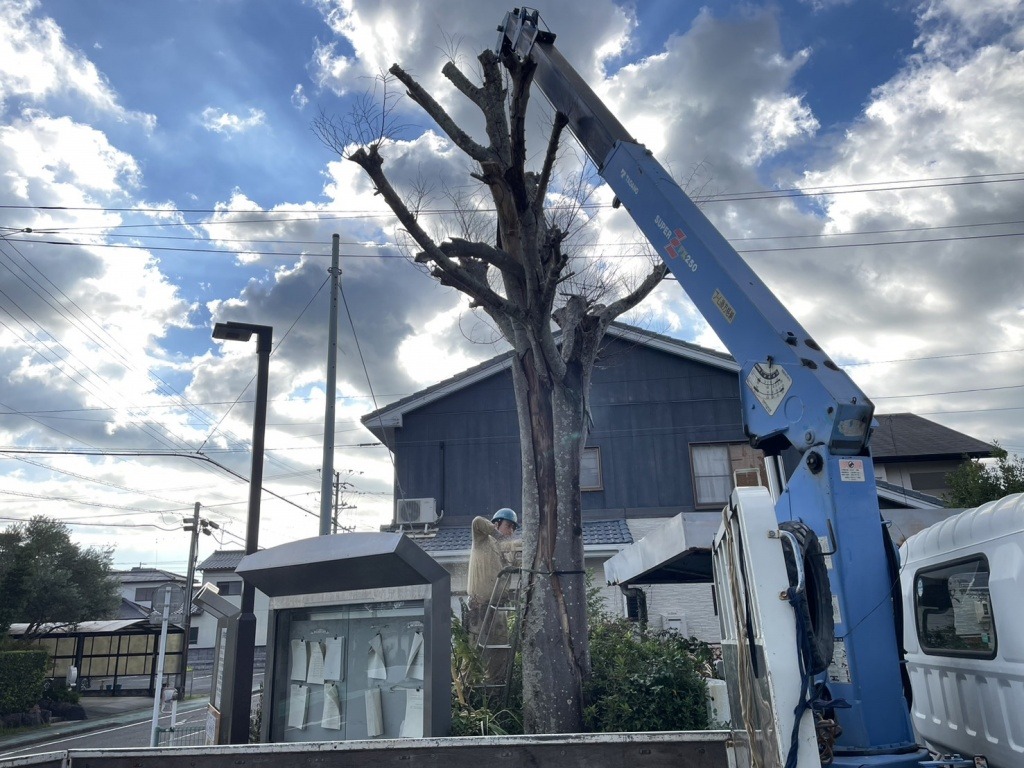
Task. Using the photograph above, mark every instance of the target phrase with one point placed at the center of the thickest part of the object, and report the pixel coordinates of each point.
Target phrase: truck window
(953, 609)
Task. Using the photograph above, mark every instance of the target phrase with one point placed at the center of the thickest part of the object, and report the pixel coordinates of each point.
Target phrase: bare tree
(522, 281)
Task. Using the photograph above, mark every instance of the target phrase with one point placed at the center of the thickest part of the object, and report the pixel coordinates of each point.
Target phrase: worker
(493, 549)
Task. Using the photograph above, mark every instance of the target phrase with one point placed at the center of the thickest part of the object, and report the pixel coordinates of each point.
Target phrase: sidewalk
(101, 712)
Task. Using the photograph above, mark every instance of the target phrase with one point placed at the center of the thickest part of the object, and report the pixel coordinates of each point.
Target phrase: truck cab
(962, 582)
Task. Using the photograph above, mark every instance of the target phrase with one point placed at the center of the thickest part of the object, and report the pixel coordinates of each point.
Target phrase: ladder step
(488, 647)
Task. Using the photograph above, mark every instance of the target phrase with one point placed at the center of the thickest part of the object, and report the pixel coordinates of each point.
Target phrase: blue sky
(163, 156)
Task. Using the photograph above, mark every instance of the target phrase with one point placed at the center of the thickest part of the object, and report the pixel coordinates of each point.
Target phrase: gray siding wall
(647, 408)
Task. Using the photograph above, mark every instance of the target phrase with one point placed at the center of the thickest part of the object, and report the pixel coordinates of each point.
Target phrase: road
(134, 734)
(133, 730)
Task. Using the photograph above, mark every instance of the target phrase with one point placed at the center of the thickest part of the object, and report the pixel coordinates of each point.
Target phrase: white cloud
(437, 349)
(299, 98)
(329, 70)
(776, 123)
(951, 27)
(65, 155)
(36, 63)
(220, 121)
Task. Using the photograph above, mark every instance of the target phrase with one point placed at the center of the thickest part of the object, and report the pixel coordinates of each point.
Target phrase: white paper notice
(298, 700)
(414, 667)
(376, 667)
(334, 658)
(315, 673)
(374, 716)
(298, 660)
(412, 726)
(331, 718)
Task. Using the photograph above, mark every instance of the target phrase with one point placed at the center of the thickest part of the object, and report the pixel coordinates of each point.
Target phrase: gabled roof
(222, 560)
(130, 610)
(908, 437)
(390, 416)
(142, 575)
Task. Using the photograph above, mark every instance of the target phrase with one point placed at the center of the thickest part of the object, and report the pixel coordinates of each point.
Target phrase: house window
(953, 609)
(720, 467)
(226, 588)
(636, 605)
(590, 470)
(928, 481)
(144, 594)
(193, 635)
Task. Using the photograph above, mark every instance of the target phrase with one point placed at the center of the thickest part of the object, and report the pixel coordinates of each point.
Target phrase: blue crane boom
(792, 394)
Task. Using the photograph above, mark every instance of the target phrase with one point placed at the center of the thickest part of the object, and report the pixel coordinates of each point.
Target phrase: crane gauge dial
(769, 383)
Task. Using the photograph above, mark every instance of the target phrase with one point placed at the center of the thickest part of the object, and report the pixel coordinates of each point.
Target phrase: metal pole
(337, 499)
(327, 470)
(245, 638)
(245, 625)
(159, 682)
(189, 578)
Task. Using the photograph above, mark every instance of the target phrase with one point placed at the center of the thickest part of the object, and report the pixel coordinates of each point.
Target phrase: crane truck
(817, 676)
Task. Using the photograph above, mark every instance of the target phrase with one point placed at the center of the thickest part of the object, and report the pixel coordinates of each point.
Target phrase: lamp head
(232, 331)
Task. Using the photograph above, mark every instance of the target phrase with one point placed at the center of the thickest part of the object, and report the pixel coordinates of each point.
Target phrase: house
(916, 454)
(666, 439)
(141, 595)
(219, 569)
(140, 585)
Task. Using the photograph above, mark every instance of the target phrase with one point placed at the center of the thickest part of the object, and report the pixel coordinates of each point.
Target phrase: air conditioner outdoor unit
(416, 511)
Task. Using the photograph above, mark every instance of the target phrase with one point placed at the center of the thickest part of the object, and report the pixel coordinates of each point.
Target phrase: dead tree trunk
(521, 282)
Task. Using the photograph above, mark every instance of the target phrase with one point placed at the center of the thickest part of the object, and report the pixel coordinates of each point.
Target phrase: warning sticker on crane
(769, 383)
(839, 669)
(727, 310)
(851, 470)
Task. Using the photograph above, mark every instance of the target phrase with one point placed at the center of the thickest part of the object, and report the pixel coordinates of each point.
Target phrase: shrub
(643, 680)
(21, 680)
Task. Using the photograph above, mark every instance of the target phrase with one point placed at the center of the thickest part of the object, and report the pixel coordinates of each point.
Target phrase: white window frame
(591, 452)
(706, 483)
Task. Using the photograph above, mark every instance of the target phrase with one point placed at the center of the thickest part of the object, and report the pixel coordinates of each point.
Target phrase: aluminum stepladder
(505, 600)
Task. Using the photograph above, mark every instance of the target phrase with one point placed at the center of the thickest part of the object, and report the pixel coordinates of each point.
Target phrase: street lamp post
(245, 635)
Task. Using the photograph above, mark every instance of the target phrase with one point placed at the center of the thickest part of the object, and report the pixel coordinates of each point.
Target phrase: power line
(282, 241)
(950, 392)
(589, 256)
(934, 357)
(142, 454)
(858, 187)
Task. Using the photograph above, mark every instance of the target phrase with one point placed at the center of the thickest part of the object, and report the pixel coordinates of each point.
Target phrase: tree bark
(554, 637)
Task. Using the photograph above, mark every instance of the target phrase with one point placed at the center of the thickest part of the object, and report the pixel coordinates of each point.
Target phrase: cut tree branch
(369, 159)
(462, 139)
(634, 297)
(554, 141)
(456, 247)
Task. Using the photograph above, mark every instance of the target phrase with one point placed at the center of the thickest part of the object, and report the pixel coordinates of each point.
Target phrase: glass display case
(359, 639)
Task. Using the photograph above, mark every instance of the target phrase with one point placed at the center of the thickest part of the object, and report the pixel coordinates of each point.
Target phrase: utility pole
(337, 496)
(327, 470)
(194, 525)
(189, 579)
(158, 688)
(339, 504)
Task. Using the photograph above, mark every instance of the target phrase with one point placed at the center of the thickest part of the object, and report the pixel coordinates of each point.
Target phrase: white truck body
(963, 601)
